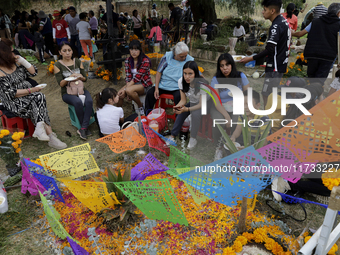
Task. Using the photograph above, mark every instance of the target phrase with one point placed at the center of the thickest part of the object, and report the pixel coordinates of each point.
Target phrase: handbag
(74, 88)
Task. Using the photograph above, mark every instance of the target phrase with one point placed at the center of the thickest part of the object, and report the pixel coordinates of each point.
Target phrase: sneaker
(141, 110)
(56, 143)
(280, 185)
(88, 132)
(170, 139)
(40, 132)
(218, 154)
(82, 133)
(192, 143)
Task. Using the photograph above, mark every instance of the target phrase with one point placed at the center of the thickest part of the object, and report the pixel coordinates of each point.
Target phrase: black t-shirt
(279, 35)
(176, 15)
(115, 18)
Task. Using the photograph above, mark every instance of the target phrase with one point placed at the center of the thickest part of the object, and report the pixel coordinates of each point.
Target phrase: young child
(257, 121)
(85, 34)
(335, 85)
(108, 115)
(277, 48)
(39, 42)
(61, 31)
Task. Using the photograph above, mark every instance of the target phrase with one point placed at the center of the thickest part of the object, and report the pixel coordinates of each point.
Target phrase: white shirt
(239, 31)
(153, 13)
(134, 72)
(193, 98)
(335, 84)
(108, 118)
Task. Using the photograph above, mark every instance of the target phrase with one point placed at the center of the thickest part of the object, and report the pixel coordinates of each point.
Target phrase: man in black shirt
(277, 48)
(176, 14)
(115, 21)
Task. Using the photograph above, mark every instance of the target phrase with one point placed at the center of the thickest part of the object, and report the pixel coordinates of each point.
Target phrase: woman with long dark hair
(19, 97)
(291, 17)
(69, 67)
(226, 73)
(137, 78)
(191, 86)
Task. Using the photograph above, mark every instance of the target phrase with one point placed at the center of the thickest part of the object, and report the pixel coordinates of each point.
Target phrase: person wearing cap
(94, 24)
(73, 19)
(277, 48)
(292, 82)
(319, 10)
(154, 11)
(61, 31)
(239, 32)
(45, 28)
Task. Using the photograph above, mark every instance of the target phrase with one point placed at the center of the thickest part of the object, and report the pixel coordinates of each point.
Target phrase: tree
(244, 7)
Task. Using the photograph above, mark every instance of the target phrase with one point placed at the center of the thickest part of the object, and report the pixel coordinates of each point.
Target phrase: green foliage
(295, 70)
(241, 48)
(244, 8)
(246, 132)
(13, 180)
(113, 177)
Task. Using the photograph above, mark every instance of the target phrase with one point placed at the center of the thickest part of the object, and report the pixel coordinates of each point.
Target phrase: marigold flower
(106, 78)
(307, 238)
(333, 250)
(91, 64)
(228, 251)
(237, 246)
(299, 69)
(200, 69)
(269, 243)
(249, 236)
(242, 240)
(19, 142)
(15, 145)
(277, 248)
(17, 150)
(260, 235)
(4, 132)
(16, 137)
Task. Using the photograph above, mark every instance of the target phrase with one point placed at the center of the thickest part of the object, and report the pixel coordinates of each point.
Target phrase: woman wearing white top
(137, 29)
(239, 32)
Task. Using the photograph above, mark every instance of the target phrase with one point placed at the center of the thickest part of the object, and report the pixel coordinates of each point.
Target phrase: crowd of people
(177, 73)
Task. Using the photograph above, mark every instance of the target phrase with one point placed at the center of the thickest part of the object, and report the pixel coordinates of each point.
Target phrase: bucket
(159, 115)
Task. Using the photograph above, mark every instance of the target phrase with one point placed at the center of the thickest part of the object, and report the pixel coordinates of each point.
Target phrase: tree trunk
(203, 9)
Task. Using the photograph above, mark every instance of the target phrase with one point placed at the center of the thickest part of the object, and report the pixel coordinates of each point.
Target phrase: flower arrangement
(10, 146)
(106, 74)
(154, 55)
(133, 37)
(86, 62)
(50, 68)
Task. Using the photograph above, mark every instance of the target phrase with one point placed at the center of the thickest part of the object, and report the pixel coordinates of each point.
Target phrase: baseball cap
(56, 13)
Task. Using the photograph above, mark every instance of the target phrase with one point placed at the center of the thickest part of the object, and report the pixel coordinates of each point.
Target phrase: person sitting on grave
(138, 79)
(192, 86)
(169, 70)
(22, 99)
(67, 71)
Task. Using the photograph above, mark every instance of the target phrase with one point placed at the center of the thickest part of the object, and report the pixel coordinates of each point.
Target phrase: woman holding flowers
(138, 79)
(69, 67)
(18, 96)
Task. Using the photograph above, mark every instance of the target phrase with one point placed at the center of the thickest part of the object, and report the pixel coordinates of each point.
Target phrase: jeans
(25, 33)
(83, 115)
(195, 119)
(319, 69)
(150, 99)
(75, 43)
(60, 40)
